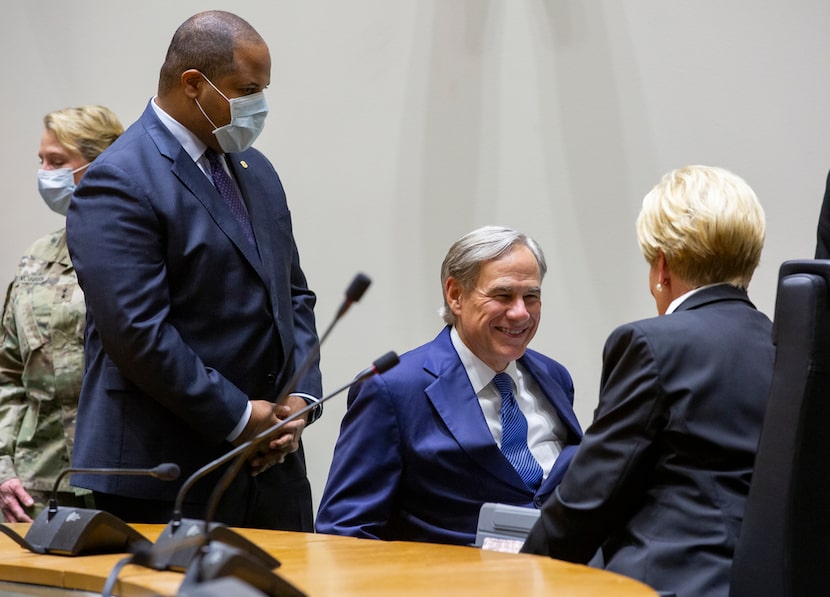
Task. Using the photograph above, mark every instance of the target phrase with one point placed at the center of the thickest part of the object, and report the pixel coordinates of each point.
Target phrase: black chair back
(784, 545)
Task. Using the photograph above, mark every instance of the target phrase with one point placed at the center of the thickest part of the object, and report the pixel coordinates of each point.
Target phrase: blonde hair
(87, 130)
(707, 222)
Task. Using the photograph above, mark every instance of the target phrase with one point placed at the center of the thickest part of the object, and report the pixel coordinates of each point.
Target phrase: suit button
(538, 502)
(271, 378)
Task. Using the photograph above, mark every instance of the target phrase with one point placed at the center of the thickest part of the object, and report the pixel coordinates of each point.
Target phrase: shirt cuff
(316, 412)
(243, 420)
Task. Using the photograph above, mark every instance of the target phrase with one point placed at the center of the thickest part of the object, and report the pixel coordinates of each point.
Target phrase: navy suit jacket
(661, 478)
(187, 321)
(415, 459)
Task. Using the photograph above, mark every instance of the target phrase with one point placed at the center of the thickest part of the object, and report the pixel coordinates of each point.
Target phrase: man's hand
(287, 440)
(13, 498)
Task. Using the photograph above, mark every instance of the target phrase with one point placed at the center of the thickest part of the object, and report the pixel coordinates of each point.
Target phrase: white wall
(399, 125)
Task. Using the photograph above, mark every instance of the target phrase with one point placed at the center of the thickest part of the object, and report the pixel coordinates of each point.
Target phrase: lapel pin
(243, 163)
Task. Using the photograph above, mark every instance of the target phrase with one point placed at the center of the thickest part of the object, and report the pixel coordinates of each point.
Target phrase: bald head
(205, 42)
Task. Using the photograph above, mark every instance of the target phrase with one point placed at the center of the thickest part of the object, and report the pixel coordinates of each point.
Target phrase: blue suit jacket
(661, 478)
(186, 319)
(415, 459)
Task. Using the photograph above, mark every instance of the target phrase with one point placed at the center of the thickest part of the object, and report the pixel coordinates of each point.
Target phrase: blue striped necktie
(514, 435)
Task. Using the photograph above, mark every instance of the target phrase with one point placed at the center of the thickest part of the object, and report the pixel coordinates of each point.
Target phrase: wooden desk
(343, 566)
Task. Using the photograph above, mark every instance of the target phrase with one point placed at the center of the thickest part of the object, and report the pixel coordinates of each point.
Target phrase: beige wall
(398, 125)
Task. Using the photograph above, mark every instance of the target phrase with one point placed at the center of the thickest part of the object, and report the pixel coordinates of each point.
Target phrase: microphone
(166, 471)
(219, 559)
(223, 587)
(219, 563)
(180, 531)
(80, 531)
(382, 364)
(178, 560)
(379, 365)
(354, 292)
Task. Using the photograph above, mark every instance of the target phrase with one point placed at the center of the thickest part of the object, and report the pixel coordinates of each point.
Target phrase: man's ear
(191, 79)
(453, 292)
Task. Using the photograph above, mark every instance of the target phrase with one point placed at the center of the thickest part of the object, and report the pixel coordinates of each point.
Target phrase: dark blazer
(186, 319)
(415, 459)
(661, 478)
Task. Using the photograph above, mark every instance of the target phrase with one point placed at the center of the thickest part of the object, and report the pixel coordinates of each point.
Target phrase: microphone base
(178, 545)
(218, 560)
(81, 531)
(222, 587)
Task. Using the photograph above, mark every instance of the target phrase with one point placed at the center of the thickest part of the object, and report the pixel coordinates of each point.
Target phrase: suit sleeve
(117, 244)
(605, 478)
(366, 468)
(303, 301)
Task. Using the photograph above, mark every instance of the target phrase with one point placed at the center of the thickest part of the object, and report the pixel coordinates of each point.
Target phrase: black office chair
(784, 545)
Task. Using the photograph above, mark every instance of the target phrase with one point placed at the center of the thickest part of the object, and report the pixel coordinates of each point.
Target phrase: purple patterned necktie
(514, 435)
(223, 183)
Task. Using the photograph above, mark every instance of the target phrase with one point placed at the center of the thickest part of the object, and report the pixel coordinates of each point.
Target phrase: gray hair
(467, 254)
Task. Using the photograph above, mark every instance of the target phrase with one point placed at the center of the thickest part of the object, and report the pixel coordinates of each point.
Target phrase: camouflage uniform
(41, 365)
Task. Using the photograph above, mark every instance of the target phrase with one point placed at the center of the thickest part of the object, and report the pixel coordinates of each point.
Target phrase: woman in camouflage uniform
(41, 353)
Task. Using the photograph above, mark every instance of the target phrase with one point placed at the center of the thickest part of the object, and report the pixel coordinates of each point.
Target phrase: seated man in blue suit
(424, 445)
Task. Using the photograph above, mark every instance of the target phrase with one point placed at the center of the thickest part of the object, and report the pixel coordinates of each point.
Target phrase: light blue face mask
(56, 187)
(247, 120)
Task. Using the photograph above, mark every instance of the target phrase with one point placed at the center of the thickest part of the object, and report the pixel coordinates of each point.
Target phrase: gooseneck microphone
(175, 549)
(354, 292)
(72, 531)
(379, 365)
(219, 557)
(167, 556)
(167, 471)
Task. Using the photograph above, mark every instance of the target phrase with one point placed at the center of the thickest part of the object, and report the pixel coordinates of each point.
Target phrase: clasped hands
(266, 414)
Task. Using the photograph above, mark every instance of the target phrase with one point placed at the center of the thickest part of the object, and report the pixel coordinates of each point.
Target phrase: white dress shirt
(545, 431)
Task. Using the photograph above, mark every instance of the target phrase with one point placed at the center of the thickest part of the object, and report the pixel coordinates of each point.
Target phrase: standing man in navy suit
(423, 446)
(198, 311)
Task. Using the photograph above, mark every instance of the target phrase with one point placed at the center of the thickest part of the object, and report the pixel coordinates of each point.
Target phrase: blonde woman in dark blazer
(660, 481)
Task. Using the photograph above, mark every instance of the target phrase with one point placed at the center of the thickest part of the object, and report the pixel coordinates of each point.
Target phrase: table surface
(342, 566)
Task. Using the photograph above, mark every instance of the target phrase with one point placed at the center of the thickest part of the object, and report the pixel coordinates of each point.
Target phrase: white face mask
(247, 120)
(56, 187)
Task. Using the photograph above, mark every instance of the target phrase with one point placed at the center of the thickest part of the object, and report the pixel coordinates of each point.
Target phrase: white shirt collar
(679, 300)
(190, 142)
(479, 373)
